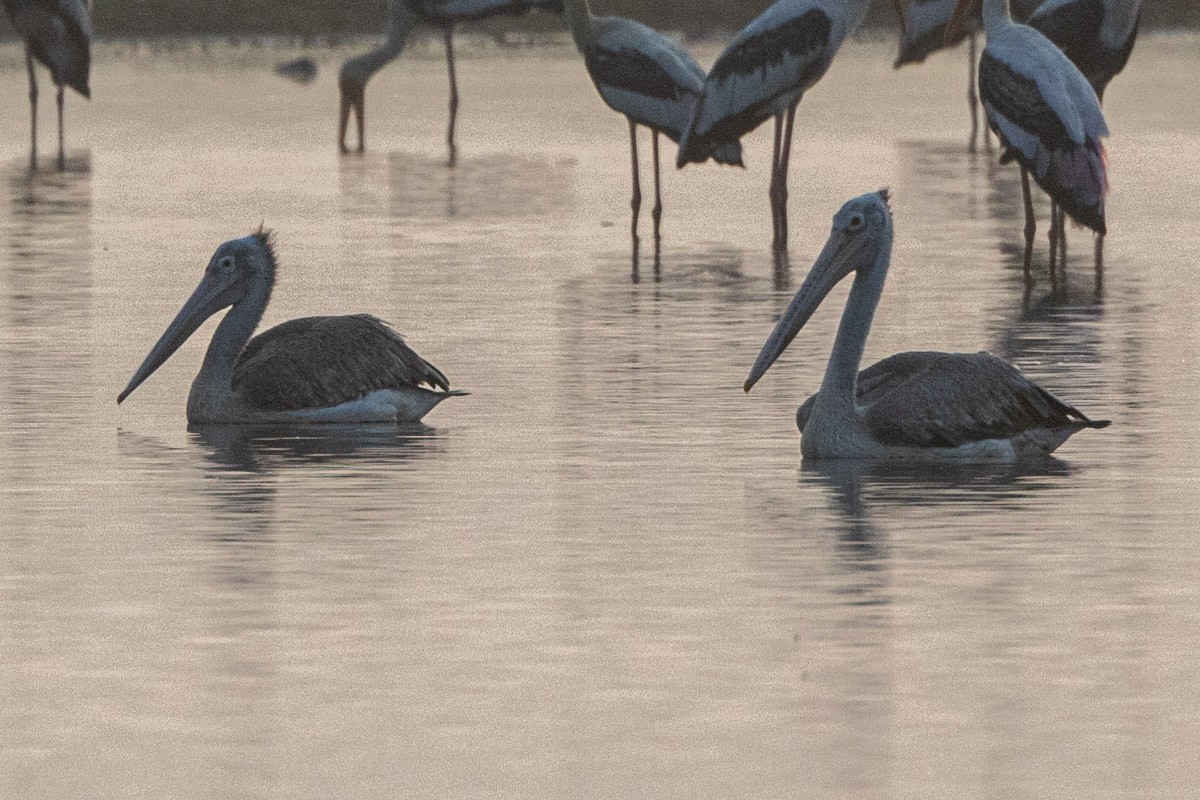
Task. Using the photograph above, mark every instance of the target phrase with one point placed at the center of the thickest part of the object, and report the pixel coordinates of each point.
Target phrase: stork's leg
(781, 235)
(773, 193)
(1053, 234)
(1062, 237)
(972, 94)
(453, 94)
(658, 208)
(1030, 224)
(62, 153)
(33, 95)
(635, 202)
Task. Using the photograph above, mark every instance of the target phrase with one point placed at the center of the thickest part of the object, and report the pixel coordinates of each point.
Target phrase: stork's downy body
(649, 79)
(917, 406)
(402, 17)
(1047, 117)
(58, 35)
(923, 32)
(343, 369)
(764, 73)
(1097, 35)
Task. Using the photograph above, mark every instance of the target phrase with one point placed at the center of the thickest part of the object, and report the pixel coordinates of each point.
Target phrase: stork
(916, 406)
(1097, 35)
(402, 17)
(346, 369)
(58, 34)
(1047, 117)
(764, 73)
(923, 32)
(647, 77)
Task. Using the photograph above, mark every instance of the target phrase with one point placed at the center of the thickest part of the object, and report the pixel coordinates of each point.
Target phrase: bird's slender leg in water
(62, 153)
(453, 94)
(1062, 237)
(33, 95)
(972, 94)
(781, 235)
(658, 207)
(773, 193)
(635, 202)
(1053, 234)
(1030, 224)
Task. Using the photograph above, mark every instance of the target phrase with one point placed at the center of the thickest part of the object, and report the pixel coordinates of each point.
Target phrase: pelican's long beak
(213, 294)
(956, 28)
(834, 263)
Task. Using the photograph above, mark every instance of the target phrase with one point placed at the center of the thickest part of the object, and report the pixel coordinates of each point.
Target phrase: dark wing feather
(1020, 100)
(1075, 28)
(58, 33)
(878, 379)
(633, 71)
(959, 398)
(316, 362)
(800, 39)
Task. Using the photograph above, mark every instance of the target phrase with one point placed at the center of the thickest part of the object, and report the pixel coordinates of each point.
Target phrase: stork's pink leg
(781, 233)
(1030, 223)
(453, 94)
(635, 203)
(773, 192)
(33, 95)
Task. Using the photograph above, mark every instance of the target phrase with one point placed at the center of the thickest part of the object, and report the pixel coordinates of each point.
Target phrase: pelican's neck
(996, 15)
(841, 376)
(579, 20)
(215, 379)
(400, 21)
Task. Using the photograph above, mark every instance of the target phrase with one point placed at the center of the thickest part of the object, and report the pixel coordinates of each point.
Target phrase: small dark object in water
(302, 70)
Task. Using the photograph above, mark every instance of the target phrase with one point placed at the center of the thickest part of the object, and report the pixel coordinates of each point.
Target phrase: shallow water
(606, 573)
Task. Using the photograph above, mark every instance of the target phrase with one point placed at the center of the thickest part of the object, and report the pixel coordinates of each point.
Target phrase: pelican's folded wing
(959, 398)
(316, 362)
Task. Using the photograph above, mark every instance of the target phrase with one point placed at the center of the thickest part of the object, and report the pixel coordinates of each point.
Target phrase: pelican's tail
(1076, 176)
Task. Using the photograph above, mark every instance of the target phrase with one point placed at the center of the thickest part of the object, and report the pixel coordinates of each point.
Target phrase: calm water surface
(606, 573)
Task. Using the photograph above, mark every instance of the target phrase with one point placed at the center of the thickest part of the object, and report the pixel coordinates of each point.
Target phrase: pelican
(923, 32)
(763, 73)
(315, 369)
(57, 33)
(912, 406)
(402, 17)
(647, 77)
(1047, 117)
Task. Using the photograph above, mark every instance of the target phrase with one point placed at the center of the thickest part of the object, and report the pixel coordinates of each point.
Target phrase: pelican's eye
(856, 222)
(225, 264)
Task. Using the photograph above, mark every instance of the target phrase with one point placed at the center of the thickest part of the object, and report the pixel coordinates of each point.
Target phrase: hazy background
(321, 19)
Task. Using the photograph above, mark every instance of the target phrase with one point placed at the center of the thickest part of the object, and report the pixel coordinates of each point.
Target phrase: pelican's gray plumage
(351, 368)
(57, 34)
(402, 17)
(912, 406)
(647, 77)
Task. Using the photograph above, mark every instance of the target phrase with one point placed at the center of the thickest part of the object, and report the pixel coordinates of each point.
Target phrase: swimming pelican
(58, 33)
(647, 77)
(1046, 115)
(911, 406)
(763, 73)
(310, 370)
(923, 32)
(402, 17)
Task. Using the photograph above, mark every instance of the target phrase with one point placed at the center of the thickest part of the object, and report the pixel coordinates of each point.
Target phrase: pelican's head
(860, 229)
(960, 21)
(353, 91)
(239, 267)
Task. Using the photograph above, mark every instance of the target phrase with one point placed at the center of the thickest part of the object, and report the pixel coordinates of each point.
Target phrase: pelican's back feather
(315, 362)
(953, 399)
